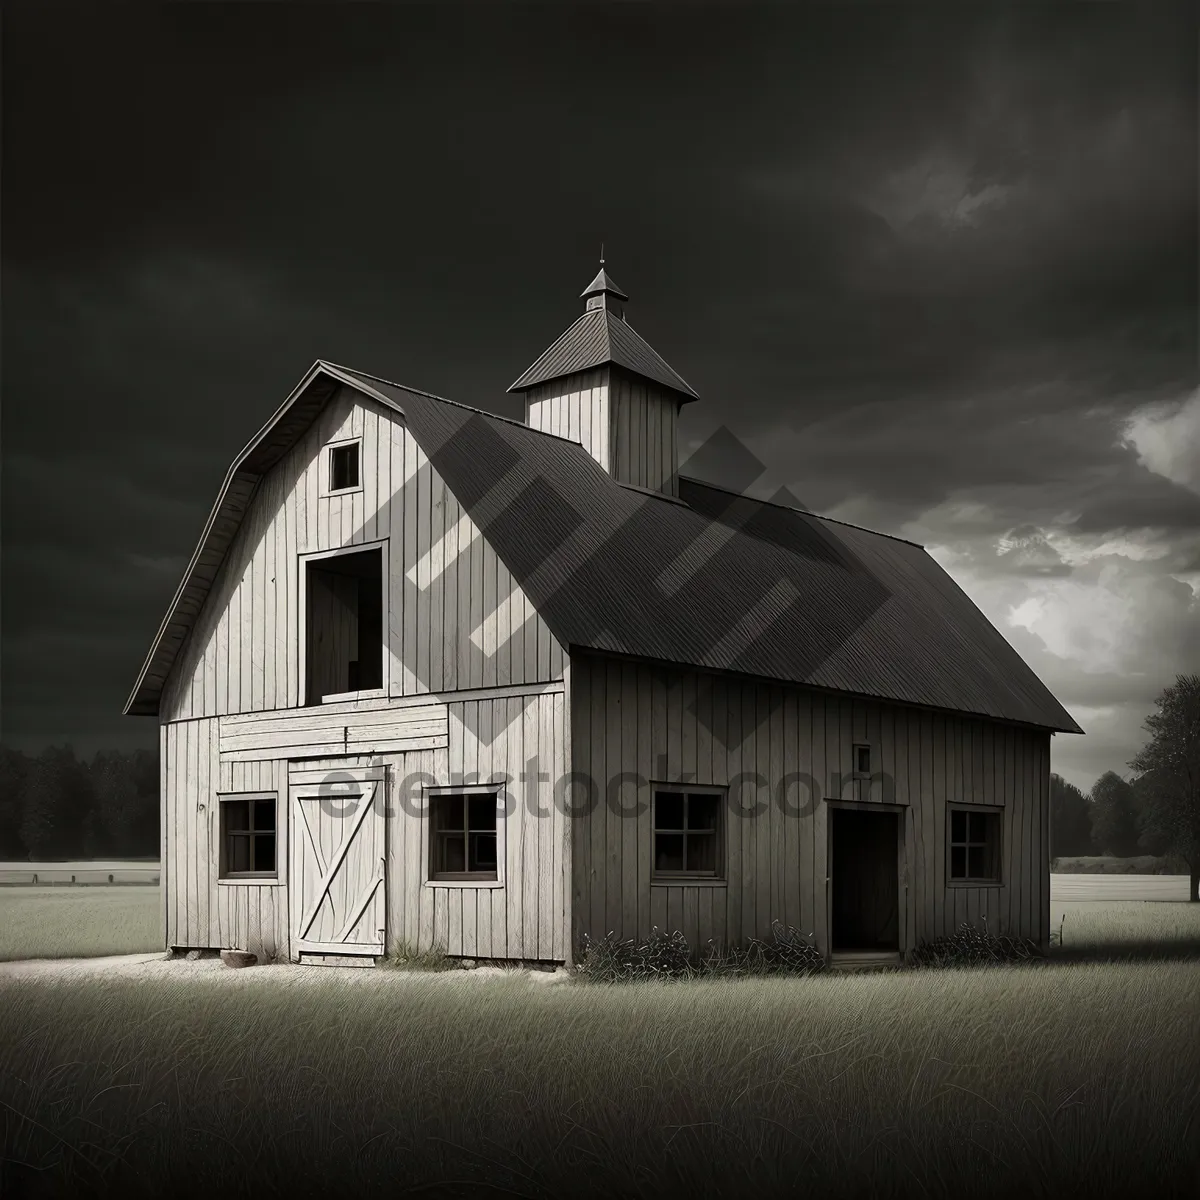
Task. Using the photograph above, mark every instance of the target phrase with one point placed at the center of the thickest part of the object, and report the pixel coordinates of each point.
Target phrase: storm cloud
(935, 267)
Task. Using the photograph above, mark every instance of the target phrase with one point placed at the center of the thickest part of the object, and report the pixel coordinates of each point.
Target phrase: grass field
(1075, 1080)
(1120, 927)
(70, 922)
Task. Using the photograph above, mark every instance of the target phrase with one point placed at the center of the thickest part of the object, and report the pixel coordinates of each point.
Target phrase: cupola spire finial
(603, 293)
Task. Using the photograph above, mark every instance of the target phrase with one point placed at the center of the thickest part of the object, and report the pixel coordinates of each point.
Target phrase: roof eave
(140, 704)
(574, 647)
(527, 385)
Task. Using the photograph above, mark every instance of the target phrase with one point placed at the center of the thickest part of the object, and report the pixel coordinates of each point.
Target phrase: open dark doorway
(345, 624)
(865, 900)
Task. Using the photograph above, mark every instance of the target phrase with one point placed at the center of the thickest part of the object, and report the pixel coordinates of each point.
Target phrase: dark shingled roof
(719, 581)
(595, 339)
(722, 581)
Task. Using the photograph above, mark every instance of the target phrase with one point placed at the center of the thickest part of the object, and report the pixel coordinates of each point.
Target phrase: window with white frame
(344, 467)
(248, 828)
(462, 836)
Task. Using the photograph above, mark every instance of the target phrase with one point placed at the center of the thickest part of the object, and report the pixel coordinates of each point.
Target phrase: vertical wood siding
(644, 434)
(490, 737)
(525, 915)
(242, 662)
(244, 653)
(664, 725)
(200, 911)
(575, 407)
(628, 425)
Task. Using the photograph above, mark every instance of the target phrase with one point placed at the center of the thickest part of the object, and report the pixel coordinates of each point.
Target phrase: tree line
(1155, 812)
(54, 805)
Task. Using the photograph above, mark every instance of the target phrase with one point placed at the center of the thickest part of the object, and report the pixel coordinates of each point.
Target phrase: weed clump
(669, 956)
(970, 946)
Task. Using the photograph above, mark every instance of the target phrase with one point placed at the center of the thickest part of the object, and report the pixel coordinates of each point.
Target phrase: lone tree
(1169, 770)
(1114, 816)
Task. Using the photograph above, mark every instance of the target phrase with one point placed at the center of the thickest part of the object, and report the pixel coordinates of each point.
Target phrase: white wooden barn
(437, 679)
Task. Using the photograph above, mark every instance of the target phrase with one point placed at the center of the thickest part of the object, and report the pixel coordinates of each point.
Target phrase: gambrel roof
(711, 580)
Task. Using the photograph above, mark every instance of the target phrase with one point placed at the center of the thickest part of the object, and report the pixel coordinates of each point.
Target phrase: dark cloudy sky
(935, 266)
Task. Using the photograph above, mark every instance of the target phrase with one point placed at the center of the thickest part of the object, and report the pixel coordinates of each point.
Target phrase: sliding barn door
(337, 880)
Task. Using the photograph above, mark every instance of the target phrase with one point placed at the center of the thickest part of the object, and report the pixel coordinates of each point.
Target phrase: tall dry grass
(1049, 1081)
(1122, 929)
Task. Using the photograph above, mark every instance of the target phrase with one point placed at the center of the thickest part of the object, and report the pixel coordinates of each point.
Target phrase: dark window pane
(264, 814)
(452, 857)
(447, 812)
(668, 852)
(668, 810)
(958, 825)
(236, 814)
(237, 852)
(981, 827)
(958, 862)
(483, 852)
(702, 852)
(264, 852)
(702, 811)
(482, 812)
(369, 652)
(864, 759)
(976, 862)
(343, 467)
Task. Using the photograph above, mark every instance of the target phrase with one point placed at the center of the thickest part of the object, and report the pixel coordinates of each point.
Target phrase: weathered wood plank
(428, 724)
(629, 797)
(549, 900)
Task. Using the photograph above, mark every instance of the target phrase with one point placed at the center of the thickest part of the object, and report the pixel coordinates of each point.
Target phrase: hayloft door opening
(864, 873)
(344, 635)
(337, 884)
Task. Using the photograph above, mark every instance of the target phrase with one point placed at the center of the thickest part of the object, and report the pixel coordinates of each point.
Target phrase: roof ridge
(483, 412)
(671, 370)
(803, 511)
(587, 314)
(592, 340)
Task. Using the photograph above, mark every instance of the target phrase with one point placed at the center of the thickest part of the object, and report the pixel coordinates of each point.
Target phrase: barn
(435, 679)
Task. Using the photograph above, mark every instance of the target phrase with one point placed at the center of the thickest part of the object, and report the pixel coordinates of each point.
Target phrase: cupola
(602, 385)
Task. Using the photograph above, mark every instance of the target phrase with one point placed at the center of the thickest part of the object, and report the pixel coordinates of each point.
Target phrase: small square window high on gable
(344, 472)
